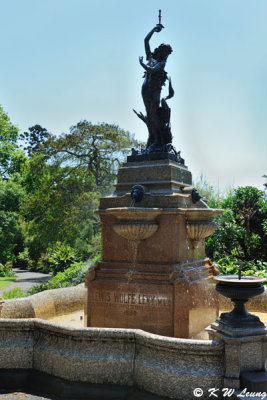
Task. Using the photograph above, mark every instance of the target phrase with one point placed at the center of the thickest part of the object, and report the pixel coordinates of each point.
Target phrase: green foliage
(11, 157)
(83, 242)
(229, 265)
(50, 196)
(96, 258)
(64, 180)
(94, 248)
(242, 226)
(11, 196)
(34, 139)
(60, 203)
(210, 194)
(74, 275)
(23, 259)
(6, 270)
(11, 235)
(13, 294)
(95, 148)
(61, 257)
(6, 280)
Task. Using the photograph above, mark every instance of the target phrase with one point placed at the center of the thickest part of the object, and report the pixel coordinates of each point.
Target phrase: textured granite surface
(18, 395)
(45, 304)
(241, 354)
(158, 176)
(161, 365)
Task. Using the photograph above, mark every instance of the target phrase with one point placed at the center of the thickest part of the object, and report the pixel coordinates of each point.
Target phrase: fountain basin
(134, 223)
(245, 288)
(138, 223)
(245, 281)
(138, 230)
(170, 367)
(198, 230)
(239, 322)
(191, 214)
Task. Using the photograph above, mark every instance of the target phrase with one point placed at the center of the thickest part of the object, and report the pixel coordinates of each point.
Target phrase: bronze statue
(158, 113)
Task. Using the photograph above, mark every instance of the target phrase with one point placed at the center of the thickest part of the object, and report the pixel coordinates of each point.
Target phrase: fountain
(152, 275)
(239, 289)
(152, 281)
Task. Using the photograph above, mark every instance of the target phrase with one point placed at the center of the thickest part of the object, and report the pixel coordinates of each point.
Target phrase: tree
(265, 186)
(11, 236)
(34, 139)
(63, 182)
(243, 226)
(11, 157)
(59, 200)
(98, 148)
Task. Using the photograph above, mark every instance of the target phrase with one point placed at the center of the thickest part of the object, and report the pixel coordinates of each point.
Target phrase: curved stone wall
(47, 304)
(165, 366)
(162, 365)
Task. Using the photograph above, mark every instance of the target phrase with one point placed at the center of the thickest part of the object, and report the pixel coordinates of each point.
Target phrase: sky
(63, 61)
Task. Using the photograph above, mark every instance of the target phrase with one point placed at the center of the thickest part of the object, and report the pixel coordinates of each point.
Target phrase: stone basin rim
(189, 212)
(111, 334)
(247, 279)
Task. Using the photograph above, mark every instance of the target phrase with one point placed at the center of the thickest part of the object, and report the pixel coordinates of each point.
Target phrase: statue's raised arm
(157, 28)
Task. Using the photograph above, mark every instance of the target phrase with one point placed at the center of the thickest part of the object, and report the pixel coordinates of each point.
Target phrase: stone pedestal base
(242, 354)
(258, 328)
(255, 381)
(152, 297)
(153, 275)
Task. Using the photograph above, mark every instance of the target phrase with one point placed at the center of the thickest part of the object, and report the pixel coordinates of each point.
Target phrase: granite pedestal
(153, 275)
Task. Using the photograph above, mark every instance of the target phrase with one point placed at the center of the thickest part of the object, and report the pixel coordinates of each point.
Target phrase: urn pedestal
(153, 274)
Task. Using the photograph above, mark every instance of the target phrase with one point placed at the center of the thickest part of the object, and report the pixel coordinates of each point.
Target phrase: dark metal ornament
(159, 17)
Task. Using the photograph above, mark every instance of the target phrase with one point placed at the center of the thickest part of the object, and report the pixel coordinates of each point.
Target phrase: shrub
(24, 260)
(72, 276)
(96, 258)
(229, 265)
(13, 294)
(6, 270)
(242, 227)
(60, 258)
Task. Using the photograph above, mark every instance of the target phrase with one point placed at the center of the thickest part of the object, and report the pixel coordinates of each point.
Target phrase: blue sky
(64, 61)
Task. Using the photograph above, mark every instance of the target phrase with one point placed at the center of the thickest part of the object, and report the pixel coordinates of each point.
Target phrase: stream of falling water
(132, 203)
(134, 244)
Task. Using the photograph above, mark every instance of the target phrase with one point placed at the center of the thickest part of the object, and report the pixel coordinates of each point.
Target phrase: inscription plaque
(138, 299)
(131, 306)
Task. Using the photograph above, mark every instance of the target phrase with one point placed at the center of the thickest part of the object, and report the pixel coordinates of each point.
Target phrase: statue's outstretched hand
(158, 28)
(141, 60)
